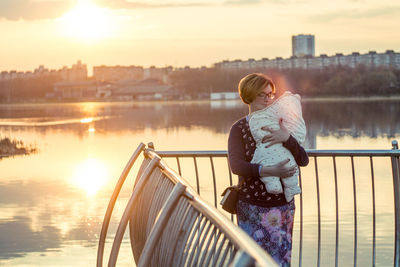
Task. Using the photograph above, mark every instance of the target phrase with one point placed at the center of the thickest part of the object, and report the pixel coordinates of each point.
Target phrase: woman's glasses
(263, 95)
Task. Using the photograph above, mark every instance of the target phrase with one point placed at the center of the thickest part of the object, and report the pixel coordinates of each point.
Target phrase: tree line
(332, 81)
(26, 88)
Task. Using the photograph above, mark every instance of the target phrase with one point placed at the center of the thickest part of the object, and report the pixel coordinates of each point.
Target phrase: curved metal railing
(167, 220)
(170, 225)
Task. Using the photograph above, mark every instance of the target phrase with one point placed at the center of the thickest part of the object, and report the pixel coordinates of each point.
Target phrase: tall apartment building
(303, 45)
(158, 73)
(77, 72)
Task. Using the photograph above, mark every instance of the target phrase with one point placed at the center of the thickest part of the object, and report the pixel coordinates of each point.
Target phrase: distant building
(117, 73)
(40, 71)
(75, 89)
(161, 74)
(224, 95)
(4, 75)
(303, 45)
(105, 89)
(149, 89)
(120, 73)
(371, 59)
(303, 57)
(77, 72)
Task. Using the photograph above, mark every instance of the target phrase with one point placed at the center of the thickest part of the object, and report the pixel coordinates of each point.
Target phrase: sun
(87, 22)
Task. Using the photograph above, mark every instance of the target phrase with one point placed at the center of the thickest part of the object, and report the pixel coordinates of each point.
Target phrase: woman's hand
(276, 136)
(280, 169)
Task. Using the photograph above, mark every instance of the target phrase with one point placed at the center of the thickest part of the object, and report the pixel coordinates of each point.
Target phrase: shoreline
(351, 98)
(118, 102)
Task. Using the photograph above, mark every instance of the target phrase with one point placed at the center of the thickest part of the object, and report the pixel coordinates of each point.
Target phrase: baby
(288, 108)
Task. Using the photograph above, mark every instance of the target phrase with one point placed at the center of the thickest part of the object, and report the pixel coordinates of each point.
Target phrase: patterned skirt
(271, 228)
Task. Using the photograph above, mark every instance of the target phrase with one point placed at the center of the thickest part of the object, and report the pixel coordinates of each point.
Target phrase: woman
(266, 217)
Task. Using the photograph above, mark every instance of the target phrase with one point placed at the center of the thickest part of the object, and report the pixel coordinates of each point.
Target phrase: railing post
(396, 189)
(242, 259)
(150, 145)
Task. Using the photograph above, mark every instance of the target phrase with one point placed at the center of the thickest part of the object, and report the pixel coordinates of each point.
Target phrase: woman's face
(263, 99)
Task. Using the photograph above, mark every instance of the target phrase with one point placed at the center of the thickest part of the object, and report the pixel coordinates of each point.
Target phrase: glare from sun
(86, 120)
(88, 22)
(90, 176)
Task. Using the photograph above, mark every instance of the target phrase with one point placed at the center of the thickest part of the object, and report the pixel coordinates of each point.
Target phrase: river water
(52, 203)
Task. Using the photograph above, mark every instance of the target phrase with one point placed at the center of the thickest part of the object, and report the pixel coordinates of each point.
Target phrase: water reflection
(29, 193)
(86, 120)
(52, 203)
(45, 217)
(330, 118)
(90, 176)
(18, 238)
(355, 119)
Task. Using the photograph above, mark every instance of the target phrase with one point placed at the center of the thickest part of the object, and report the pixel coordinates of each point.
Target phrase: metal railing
(170, 225)
(357, 176)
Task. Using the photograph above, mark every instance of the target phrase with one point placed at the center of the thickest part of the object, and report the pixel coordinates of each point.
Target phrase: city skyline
(179, 33)
(389, 58)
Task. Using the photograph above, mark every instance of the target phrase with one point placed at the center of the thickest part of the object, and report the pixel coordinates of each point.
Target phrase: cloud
(30, 10)
(124, 4)
(49, 9)
(242, 2)
(351, 14)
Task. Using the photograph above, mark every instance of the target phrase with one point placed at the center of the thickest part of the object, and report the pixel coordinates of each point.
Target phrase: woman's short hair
(251, 85)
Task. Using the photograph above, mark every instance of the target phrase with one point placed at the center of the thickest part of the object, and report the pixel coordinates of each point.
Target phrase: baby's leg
(291, 181)
(291, 187)
(272, 184)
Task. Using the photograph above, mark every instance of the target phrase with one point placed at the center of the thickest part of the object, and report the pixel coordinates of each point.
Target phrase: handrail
(199, 203)
(160, 224)
(236, 235)
(310, 152)
(392, 155)
(114, 196)
(125, 217)
(396, 192)
(239, 246)
(184, 153)
(226, 226)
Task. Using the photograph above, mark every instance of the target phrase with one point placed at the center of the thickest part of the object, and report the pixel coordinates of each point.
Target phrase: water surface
(52, 203)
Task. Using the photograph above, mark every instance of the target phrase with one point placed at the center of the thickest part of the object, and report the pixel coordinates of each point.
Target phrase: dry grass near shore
(14, 147)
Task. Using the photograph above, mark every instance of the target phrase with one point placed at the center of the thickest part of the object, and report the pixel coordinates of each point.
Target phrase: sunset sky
(55, 33)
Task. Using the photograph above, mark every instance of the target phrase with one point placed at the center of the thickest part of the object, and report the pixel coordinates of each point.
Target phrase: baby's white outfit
(287, 107)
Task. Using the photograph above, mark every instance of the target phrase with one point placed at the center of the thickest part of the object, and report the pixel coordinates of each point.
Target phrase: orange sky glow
(55, 33)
